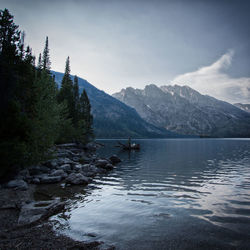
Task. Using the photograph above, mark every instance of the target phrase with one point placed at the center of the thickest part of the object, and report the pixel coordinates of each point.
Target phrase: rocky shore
(24, 217)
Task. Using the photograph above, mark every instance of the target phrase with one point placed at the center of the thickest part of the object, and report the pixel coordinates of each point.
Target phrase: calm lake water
(173, 194)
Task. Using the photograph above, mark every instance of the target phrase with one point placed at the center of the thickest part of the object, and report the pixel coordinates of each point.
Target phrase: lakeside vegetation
(35, 113)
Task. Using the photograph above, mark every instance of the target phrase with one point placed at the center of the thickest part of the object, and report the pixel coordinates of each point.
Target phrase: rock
(18, 184)
(65, 167)
(90, 146)
(44, 169)
(62, 161)
(101, 163)
(59, 172)
(85, 159)
(114, 159)
(109, 166)
(67, 145)
(35, 180)
(50, 179)
(76, 158)
(51, 163)
(25, 173)
(35, 211)
(77, 179)
(89, 170)
(35, 170)
(77, 167)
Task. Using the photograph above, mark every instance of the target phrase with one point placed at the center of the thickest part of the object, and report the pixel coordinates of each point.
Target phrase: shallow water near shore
(173, 194)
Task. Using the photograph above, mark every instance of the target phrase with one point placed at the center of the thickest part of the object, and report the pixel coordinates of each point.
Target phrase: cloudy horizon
(117, 44)
(213, 80)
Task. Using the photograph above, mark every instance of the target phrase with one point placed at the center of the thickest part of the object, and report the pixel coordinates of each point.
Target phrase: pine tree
(39, 63)
(66, 98)
(86, 116)
(30, 114)
(46, 59)
(76, 101)
(66, 93)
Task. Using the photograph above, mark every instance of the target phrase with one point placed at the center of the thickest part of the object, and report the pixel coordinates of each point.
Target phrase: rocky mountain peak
(184, 110)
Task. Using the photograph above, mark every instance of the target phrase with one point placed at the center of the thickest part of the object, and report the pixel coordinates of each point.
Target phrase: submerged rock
(17, 184)
(114, 159)
(109, 166)
(34, 211)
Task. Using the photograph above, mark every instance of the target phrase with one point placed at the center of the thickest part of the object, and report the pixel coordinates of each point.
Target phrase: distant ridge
(113, 118)
(245, 107)
(183, 110)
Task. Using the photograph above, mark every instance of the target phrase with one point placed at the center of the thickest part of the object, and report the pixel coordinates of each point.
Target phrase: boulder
(89, 170)
(77, 179)
(25, 173)
(114, 159)
(101, 163)
(85, 159)
(65, 168)
(59, 172)
(62, 161)
(17, 184)
(50, 179)
(35, 170)
(35, 180)
(109, 166)
(51, 163)
(77, 167)
(90, 146)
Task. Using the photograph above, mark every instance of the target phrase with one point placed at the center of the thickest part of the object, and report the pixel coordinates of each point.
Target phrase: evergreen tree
(66, 99)
(86, 116)
(76, 101)
(46, 59)
(66, 93)
(30, 114)
(39, 63)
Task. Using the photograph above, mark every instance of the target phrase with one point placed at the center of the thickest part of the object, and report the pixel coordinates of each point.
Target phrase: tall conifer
(46, 59)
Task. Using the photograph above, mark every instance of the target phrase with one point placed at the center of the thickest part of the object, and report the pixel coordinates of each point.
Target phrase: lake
(173, 194)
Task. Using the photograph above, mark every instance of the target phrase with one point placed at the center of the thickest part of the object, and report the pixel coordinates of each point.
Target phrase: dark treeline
(35, 114)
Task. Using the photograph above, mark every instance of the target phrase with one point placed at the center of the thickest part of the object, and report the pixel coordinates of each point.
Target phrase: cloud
(212, 80)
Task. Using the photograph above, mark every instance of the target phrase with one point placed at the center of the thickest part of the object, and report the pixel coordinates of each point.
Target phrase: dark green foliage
(46, 60)
(77, 116)
(76, 97)
(86, 116)
(34, 113)
(30, 114)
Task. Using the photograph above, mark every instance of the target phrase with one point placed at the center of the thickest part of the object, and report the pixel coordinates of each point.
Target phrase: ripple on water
(191, 190)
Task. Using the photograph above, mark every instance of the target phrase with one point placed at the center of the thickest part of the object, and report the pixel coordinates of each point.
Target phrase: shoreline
(39, 192)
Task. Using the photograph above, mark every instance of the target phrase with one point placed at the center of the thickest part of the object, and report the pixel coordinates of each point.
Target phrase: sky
(115, 44)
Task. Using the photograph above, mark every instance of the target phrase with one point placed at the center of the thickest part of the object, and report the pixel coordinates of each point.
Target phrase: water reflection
(170, 190)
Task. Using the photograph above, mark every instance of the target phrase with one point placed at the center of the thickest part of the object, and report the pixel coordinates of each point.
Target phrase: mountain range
(162, 112)
(113, 118)
(183, 110)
